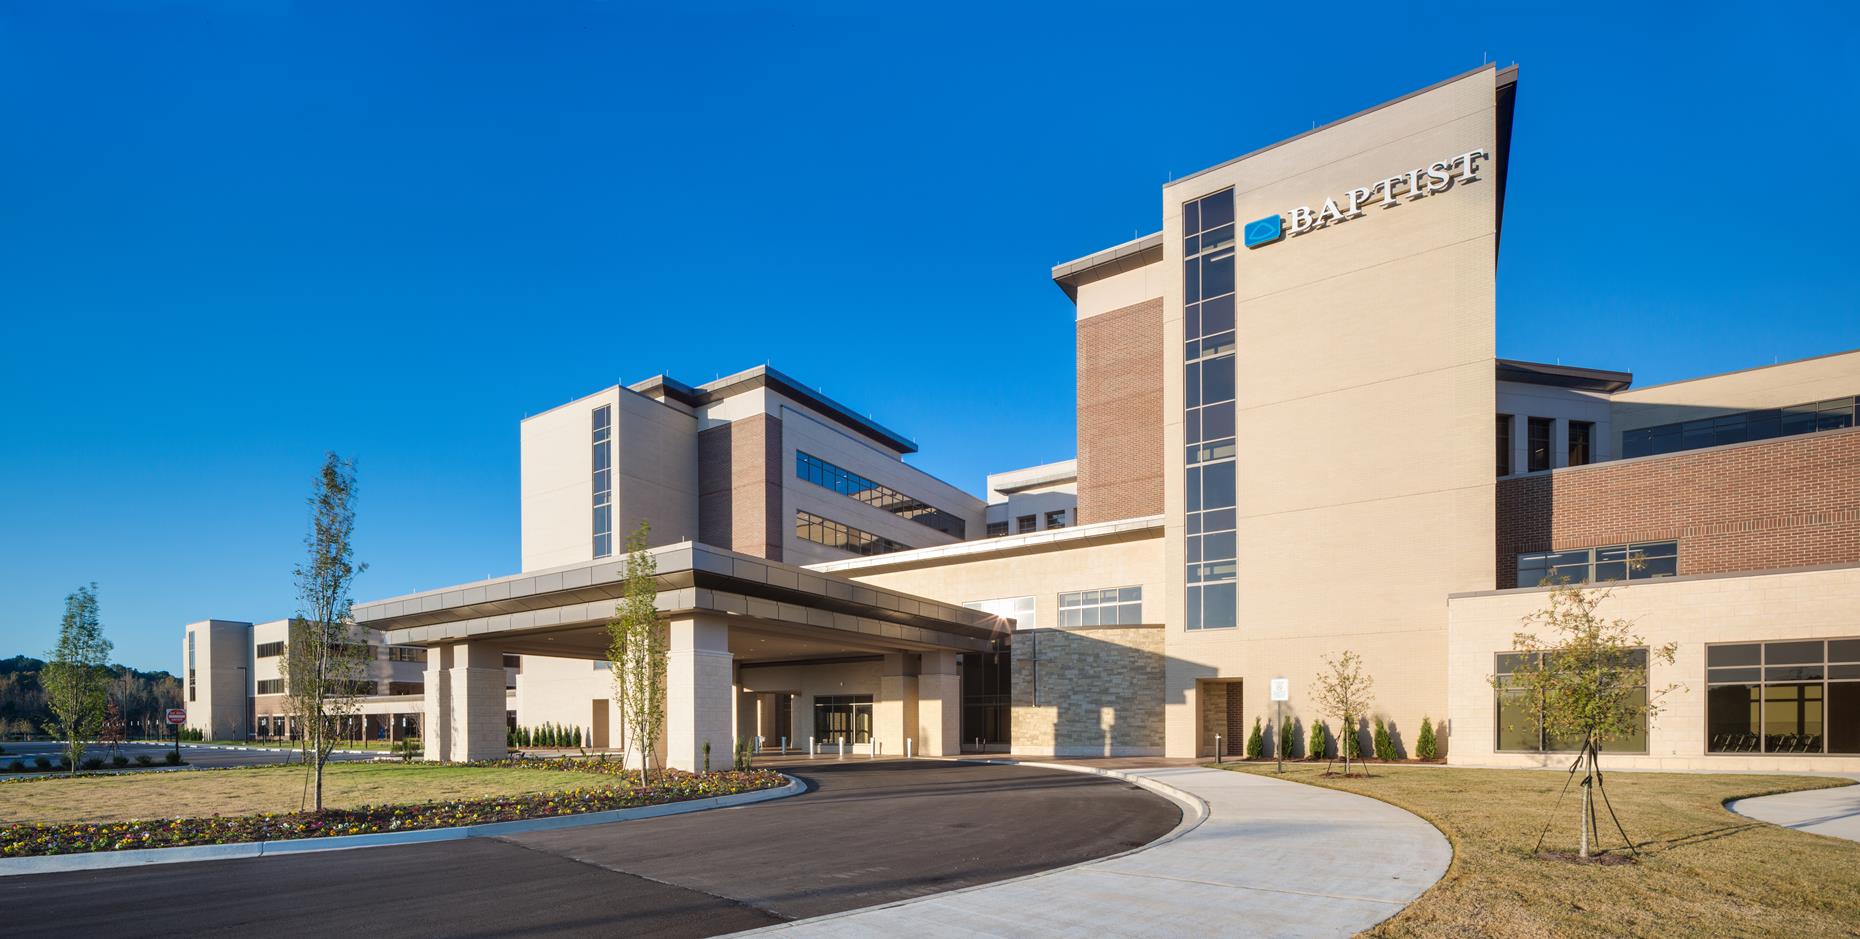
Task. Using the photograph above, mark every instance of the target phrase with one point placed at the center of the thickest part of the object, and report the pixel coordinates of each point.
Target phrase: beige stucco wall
(1364, 407)
(1692, 611)
(1800, 382)
(1043, 575)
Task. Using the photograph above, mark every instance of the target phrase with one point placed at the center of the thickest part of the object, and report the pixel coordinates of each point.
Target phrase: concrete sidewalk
(1832, 812)
(1272, 858)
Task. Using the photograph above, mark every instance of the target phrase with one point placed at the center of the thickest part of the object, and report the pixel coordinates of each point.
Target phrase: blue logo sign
(1264, 232)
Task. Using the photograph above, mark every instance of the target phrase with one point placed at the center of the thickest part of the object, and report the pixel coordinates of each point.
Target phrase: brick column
(478, 723)
(699, 693)
(894, 713)
(939, 704)
(436, 706)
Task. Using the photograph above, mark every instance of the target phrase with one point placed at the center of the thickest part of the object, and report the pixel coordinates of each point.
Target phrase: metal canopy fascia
(692, 578)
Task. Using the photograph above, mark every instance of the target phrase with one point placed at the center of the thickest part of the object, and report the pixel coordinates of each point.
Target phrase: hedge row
(29, 840)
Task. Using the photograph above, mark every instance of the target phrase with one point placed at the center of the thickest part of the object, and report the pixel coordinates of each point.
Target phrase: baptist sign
(1416, 183)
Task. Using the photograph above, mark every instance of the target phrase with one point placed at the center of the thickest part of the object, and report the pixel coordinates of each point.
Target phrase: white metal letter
(1466, 175)
(1301, 219)
(1437, 178)
(1358, 196)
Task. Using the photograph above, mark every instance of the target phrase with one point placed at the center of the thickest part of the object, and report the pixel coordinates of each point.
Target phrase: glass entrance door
(845, 717)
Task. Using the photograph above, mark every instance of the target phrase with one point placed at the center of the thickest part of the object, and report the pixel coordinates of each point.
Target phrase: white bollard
(873, 755)
(812, 751)
(784, 746)
(907, 748)
(842, 748)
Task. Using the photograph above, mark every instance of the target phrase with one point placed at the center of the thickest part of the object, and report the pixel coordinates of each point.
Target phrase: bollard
(811, 751)
(784, 746)
(842, 748)
(1217, 748)
(907, 748)
(872, 746)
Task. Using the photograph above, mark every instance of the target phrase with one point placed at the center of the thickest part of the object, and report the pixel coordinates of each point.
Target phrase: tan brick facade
(1120, 413)
(1792, 502)
(1093, 691)
(739, 493)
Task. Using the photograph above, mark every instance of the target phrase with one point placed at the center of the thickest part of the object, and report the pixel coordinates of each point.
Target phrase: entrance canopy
(775, 611)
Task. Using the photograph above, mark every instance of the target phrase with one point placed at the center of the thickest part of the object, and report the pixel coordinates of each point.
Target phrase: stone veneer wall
(1088, 692)
(739, 486)
(1789, 502)
(1120, 413)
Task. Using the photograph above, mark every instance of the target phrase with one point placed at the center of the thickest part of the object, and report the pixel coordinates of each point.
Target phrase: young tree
(76, 678)
(1588, 676)
(1314, 748)
(637, 652)
(1256, 741)
(1425, 746)
(323, 660)
(1345, 693)
(1287, 739)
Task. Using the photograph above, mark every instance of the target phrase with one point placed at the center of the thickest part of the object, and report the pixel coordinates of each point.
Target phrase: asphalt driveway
(867, 833)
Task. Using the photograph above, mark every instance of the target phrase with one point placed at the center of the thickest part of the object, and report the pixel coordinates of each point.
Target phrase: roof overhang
(762, 376)
(1563, 376)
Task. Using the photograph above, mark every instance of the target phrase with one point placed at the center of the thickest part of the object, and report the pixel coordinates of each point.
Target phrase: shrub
(1288, 740)
(1350, 742)
(1385, 745)
(16, 767)
(1255, 742)
(706, 756)
(1314, 748)
(171, 758)
(95, 762)
(41, 762)
(745, 754)
(1425, 747)
(119, 761)
(143, 759)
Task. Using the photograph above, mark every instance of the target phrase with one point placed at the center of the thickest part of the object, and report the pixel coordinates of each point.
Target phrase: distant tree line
(140, 696)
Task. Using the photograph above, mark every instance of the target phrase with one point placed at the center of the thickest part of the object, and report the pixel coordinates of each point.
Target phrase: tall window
(1208, 407)
(854, 486)
(1801, 696)
(1504, 445)
(1537, 445)
(1581, 443)
(1599, 565)
(1117, 606)
(1519, 714)
(603, 481)
(819, 530)
(192, 688)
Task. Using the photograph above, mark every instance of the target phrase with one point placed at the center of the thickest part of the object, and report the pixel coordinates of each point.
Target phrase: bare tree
(324, 653)
(1587, 677)
(636, 651)
(76, 679)
(1345, 694)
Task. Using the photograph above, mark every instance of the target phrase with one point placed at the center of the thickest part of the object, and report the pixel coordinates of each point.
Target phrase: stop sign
(177, 715)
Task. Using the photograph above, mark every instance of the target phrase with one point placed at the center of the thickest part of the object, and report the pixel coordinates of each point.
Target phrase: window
(854, 486)
(406, 687)
(1209, 430)
(1832, 414)
(514, 661)
(1056, 519)
(1019, 609)
(192, 687)
(814, 528)
(603, 481)
(268, 650)
(1118, 606)
(1599, 565)
(1799, 696)
(997, 529)
(1504, 445)
(271, 686)
(1026, 523)
(1519, 716)
(406, 654)
(1537, 445)
(1581, 443)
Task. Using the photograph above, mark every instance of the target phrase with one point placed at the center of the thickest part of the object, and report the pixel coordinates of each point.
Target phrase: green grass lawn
(1702, 871)
(263, 789)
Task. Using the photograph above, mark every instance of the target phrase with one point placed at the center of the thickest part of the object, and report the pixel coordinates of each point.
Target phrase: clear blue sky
(235, 235)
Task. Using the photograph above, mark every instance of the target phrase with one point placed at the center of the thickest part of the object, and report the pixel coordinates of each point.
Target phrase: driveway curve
(867, 833)
(1832, 812)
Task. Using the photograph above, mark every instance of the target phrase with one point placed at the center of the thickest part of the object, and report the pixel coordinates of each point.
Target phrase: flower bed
(29, 840)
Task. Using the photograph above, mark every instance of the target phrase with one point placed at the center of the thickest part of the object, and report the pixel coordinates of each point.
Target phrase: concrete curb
(138, 857)
(1194, 812)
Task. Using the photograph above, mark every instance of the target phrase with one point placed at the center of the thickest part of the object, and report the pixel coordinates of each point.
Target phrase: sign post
(177, 717)
(1281, 690)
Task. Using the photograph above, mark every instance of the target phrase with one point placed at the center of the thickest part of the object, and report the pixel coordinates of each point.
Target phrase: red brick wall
(739, 486)
(1120, 395)
(1780, 503)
